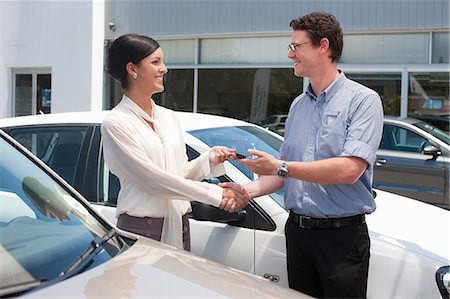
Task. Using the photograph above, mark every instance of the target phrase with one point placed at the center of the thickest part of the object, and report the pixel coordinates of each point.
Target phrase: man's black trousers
(328, 263)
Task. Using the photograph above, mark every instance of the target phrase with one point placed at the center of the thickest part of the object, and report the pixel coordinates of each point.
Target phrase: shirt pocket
(332, 135)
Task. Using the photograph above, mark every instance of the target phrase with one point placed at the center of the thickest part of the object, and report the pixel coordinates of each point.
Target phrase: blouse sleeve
(126, 158)
(200, 168)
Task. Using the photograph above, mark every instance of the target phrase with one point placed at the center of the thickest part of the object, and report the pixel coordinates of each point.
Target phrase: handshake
(234, 197)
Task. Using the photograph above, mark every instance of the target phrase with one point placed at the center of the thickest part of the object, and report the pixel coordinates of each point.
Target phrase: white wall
(65, 36)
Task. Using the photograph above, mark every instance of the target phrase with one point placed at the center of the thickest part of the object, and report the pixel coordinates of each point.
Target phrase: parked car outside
(274, 123)
(54, 245)
(414, 160)
(410, 239)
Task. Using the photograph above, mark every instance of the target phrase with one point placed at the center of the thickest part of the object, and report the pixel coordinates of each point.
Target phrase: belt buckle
(300, 221)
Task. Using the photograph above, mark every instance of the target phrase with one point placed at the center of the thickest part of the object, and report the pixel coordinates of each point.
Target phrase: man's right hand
(234, 197)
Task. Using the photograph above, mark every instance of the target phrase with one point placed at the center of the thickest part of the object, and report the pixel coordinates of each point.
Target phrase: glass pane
(441, 47)
(385, 48)
(407, 141)
(179, 90)
(109, 185)
(245, 50)
(241, 139)
(178, 51)
(248, 94)
(58, 147)
(429, 94)
(43, 96)
(23, 94)
(386, 85)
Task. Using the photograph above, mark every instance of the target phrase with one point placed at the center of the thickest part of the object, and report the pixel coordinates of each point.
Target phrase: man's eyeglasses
(294, 46)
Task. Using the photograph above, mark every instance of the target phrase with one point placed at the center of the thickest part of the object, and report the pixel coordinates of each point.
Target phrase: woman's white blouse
(155, 176)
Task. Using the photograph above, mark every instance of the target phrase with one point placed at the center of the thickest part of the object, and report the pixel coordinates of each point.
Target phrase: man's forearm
(265, 184)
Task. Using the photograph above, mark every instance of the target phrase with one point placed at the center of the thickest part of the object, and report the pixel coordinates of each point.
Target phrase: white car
(54, 245)
(410, 240)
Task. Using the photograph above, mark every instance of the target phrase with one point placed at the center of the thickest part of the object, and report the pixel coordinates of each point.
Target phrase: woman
(144, 147)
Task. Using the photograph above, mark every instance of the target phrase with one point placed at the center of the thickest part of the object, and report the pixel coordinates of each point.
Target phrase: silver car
(414, 160)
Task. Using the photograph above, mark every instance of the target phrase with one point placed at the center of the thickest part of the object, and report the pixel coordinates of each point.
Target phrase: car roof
(409, 120)
(191, 121)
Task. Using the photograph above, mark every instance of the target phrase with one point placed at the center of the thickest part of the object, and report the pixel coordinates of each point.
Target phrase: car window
(243, 138)
(400, 139)
(109, 185)
(59, 147)
(434, 131)
(43, 227)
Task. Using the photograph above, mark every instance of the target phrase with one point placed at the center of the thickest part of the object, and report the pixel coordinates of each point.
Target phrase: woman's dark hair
(320, 25)
(128, 48)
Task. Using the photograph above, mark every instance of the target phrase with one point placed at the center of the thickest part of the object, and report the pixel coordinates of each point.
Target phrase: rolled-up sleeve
(365, 129)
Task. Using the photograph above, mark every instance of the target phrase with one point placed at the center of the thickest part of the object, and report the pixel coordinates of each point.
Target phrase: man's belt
(317, 223)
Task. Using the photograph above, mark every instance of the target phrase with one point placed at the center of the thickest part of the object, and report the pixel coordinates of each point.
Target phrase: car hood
(150, 269)
(419, 227)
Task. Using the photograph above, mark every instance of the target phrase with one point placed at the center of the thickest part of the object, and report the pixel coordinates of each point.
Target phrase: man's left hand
(261, 163)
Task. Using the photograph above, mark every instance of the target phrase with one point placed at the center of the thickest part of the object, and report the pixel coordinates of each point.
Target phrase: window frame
(34, 72)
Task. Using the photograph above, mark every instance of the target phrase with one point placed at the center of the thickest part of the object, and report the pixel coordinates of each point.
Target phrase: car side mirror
(205, 212)
(432, 151)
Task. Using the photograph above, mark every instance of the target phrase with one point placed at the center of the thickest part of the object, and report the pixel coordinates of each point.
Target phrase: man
(332, 133)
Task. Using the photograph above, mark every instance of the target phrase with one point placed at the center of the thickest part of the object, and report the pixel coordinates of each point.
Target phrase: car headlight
(443, 281)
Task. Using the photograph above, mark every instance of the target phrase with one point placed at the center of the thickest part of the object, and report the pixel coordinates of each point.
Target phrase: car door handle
(272, 277)
(380, 162)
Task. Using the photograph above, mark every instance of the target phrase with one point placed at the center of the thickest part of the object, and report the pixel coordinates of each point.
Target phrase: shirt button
(148, 234)
(149, 221)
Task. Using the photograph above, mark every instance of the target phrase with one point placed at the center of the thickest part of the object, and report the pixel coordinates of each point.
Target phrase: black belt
(311, 223)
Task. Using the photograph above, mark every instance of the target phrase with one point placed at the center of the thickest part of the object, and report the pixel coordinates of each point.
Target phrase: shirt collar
(330, 90)
(135, 109)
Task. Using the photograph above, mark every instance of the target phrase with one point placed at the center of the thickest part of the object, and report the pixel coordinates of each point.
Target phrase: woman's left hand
(220, 154)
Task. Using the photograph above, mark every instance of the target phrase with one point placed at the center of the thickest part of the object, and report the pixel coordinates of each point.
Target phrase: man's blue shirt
(345, 120)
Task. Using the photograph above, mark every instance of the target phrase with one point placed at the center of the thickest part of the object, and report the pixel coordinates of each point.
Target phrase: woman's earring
(135, 75)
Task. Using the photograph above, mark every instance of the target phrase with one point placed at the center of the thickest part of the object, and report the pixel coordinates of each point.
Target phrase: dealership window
(386, 48)
(429, 93)
(250, 77)
(179, 90)
(32, 92)
(388, 86)
(244, 50)
(441, 47)
(178, 51)
(248, 94)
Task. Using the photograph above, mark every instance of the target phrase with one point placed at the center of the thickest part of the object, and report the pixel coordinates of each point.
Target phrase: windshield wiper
(21, 287)
(88, 255)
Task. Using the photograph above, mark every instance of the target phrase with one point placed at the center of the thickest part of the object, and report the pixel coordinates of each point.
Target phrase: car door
(403, 168)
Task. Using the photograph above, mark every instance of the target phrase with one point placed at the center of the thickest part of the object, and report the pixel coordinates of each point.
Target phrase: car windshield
(434, 131)
(44, 229)
(243, 138)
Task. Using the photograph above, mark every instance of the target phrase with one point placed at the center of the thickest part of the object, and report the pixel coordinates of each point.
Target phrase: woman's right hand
(234, 199)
